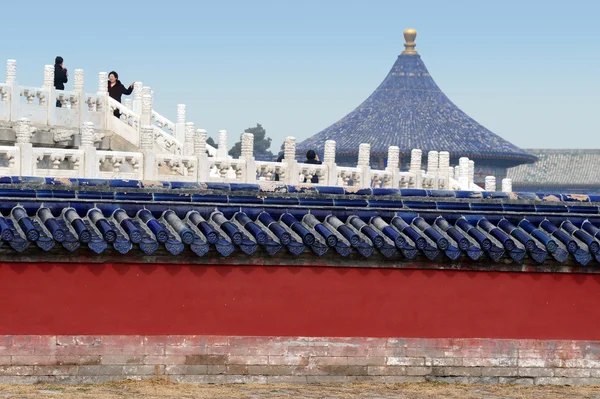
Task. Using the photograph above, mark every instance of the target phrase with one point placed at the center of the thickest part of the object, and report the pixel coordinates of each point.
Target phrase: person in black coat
(116, 89)
(279, 159)
(61, 76)
(312, 158)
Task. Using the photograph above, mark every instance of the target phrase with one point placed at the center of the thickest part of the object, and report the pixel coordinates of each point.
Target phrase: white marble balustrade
(39, 105)
(23, 159)
(176, 150)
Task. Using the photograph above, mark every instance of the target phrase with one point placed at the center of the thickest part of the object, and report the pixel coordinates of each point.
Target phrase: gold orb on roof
(409, 38)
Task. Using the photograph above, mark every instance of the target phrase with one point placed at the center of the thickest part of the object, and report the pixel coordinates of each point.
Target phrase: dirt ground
(165, 389)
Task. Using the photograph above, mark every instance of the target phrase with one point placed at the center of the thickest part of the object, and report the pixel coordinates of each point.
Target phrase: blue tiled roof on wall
(410, 111)
(49, 217)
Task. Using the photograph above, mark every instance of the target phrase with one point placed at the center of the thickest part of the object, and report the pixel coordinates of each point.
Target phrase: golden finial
(409, 39)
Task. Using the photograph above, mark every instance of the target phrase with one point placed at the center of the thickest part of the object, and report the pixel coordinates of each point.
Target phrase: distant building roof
(563, 169)
(409, 110)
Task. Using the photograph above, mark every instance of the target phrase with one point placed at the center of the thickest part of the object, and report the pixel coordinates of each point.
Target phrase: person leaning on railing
(116, 89)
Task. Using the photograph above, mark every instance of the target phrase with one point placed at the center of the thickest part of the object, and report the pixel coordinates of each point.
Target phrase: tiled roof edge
(142, 190)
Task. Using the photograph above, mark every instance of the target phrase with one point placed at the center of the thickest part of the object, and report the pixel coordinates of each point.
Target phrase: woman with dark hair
(116, 89)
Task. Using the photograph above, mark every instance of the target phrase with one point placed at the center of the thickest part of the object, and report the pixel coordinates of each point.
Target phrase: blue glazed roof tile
(410, 111)
(530, 229)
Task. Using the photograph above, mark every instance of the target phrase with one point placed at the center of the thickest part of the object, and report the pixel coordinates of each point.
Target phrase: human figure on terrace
(279, 159)
(61, 76)
(312, 158)
(116, 89)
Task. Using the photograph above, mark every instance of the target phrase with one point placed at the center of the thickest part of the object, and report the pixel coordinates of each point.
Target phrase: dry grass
(163, 389)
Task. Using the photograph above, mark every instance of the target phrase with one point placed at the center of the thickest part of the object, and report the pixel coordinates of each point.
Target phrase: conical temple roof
(410, 111)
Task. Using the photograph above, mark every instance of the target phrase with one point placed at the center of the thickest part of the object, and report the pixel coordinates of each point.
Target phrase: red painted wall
(295, 301)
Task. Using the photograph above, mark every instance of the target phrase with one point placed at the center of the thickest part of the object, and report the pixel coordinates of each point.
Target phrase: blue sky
(527, 70)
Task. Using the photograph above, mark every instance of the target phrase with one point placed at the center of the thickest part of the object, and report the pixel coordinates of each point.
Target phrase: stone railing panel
(307, 171)
(10, 161)
(226, 170)
(68, 114)
(5, 99)
(348, 176)
(406, 180)
(57, 162)
(32, 104)
(266, 171)
(127, 125)
(120, 165)
(163, 123)
(177, 167)
(166, 142)
(381, 178)
(94, 110)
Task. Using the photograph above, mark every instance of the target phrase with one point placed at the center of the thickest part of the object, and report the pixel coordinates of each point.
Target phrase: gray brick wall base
(294, 360)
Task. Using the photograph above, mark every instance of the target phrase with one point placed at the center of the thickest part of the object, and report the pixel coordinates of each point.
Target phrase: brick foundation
(220, 359)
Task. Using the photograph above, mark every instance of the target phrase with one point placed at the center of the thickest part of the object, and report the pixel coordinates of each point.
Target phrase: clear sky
(527, 70)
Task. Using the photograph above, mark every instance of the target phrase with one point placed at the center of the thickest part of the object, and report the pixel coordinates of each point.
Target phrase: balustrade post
(91, 168)
(24, 132)
(146, 114)
(11, 72)
(393, 165)
(128, 102)
(289, 158)
(507, 185)
(102, 83)
(200, 152)
(78, 86)
(415, 166)
(329, 160)
(11, 81)
(103, 96)
(49, 85)
(490, 183)
(222, 150)
(432, 167)
(463, 177)
(364, 163)
(188, 139)
(137, 97)
(247, 154)
(451, 171)
(471, 173)
(180, 129)
(147, 148)
(443, 168)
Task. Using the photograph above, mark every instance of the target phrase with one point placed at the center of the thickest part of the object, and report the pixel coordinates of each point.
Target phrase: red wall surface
(124, 299)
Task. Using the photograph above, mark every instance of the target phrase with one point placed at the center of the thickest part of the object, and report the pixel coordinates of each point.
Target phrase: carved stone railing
(10, 161)
(195, 165)
(163, 123)
(120, 165)
(177, 168)
(57, 162)
(75, 107)
(176, 150)
(270, 171)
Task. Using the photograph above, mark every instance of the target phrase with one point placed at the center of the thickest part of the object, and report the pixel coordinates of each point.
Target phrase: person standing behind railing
(279, 159)
(61, 76)
(312, 158)
(116, 90)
